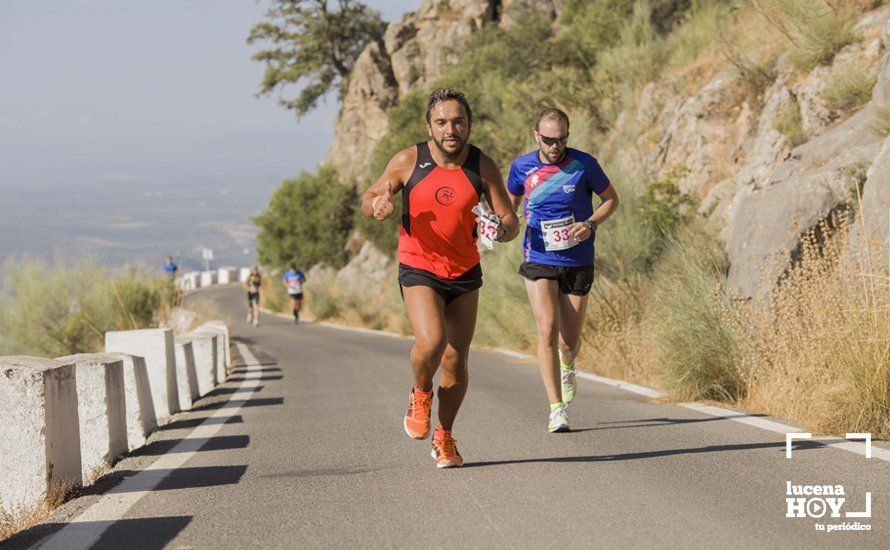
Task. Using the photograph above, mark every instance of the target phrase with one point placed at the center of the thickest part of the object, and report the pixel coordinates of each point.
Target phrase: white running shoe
(559, 420)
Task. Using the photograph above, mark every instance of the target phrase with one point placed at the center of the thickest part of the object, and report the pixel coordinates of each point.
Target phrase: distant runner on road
(558, 184)
(252, 285)
(441, 180)
(293, 281)
(170, 268)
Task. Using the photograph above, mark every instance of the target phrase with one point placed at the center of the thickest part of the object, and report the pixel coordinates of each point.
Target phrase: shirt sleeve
(597, 180)
(515, 181)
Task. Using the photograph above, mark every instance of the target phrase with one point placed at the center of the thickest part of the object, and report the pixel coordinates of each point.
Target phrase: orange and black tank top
(438, 232)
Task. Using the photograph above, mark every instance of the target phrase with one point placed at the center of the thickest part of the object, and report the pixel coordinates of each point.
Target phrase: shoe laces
(420, 407)
(557, 412)
(447, 446)
(567, 375)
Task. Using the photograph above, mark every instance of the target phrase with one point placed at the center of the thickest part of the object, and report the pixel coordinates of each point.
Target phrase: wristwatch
(591, 225)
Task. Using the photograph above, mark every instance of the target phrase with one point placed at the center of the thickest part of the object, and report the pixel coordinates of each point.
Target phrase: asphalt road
(310, 453)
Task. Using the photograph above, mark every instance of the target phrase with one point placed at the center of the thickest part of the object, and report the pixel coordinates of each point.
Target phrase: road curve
(308, 451)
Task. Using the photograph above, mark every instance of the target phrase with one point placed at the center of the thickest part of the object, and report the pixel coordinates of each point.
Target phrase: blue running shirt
(555, 192)
(294, 281)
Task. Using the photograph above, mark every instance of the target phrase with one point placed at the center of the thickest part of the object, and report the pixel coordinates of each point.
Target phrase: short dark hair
(447, 94)
(554, 114)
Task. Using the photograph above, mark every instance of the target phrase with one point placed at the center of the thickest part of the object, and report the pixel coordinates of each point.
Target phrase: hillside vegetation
(661, 312)
(50, 310)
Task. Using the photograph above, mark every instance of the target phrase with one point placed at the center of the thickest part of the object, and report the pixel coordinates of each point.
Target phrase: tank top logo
(445, 196)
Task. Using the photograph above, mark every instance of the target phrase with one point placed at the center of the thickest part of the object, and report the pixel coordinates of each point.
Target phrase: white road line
(117, 502)
(710, 410)
(361, 330)
(514, 354)
(622, 385)
(358, 330)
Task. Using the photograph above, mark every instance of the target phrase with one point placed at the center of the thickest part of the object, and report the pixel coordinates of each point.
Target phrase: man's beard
(555, 157)
(450, 153)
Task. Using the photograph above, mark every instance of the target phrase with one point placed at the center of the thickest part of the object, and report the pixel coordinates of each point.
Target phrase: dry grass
(790, 123)
(849, 86)
(881, 124)
(615, 341)
(823, 350)
(203, 309)
(815, 30)
(820, 353)
(752, 48)
(377, 306)
(19, 519)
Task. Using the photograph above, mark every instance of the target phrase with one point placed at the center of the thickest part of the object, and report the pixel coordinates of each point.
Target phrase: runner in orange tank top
(441, 180)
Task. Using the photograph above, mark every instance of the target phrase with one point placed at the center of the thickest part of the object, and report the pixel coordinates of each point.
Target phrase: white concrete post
(140, 411)
(186, 376)
(204, 351)
(221, 326)
(101, 410)
(219, 343)
(208, 278)
(156, 346)
(39, 435)
(243, 274)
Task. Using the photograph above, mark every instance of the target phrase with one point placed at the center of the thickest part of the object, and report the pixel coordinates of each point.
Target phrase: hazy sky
(145, 91)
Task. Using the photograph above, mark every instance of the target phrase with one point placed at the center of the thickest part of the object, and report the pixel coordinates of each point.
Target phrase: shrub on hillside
(849, 86)
(699, 343)
(822, 347)
(790, 123)
(307, 220)
(66, 308)
(815, 29)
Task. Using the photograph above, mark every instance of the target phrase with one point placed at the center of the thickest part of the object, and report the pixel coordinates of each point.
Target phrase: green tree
(313, 44)
(308, 220)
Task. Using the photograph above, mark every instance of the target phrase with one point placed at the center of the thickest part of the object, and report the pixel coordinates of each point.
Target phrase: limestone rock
(415, 52)
(702, 134)
(361, 122)
(870, 233)
(367, 269)
(767, 219)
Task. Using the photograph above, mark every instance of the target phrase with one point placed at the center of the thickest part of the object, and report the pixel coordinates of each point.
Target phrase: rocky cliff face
(759, 189)
(415, 52)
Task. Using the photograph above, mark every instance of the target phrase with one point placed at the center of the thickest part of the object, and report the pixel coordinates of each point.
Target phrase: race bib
(488, 232)
(556, 234)
(295, 287)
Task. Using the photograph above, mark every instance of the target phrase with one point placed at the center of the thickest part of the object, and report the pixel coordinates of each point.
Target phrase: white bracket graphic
(791, 437)
(867, 438)
(866, 513)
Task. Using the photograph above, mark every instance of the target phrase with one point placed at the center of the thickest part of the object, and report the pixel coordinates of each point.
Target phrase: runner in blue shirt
(293, 281)
(170, 268)
(558, 184)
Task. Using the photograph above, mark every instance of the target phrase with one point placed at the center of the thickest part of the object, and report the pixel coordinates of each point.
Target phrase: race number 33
(556, 234)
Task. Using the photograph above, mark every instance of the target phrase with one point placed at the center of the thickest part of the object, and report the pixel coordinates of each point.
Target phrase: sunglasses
(554, 140)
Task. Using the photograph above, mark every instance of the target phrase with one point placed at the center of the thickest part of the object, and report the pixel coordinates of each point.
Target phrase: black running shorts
(253, 297)
(297, 296)
(448, 289)
(572, 280)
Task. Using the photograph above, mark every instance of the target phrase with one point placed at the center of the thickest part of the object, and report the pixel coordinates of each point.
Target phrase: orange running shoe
(445, 451)
(417, 419)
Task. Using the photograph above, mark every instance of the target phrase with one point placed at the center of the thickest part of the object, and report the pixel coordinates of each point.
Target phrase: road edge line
(117, 501)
